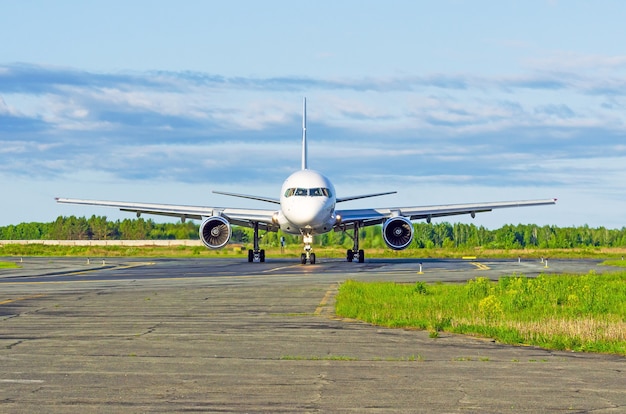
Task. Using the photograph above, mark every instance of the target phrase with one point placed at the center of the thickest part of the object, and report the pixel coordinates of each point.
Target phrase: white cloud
(441, 136)
(3, 106)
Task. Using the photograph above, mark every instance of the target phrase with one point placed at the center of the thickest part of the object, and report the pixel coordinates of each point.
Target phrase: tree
(99, 227)
(135, 229)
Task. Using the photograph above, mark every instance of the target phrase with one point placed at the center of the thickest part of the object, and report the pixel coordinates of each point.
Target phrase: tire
(250, 256)
(361, 256)
(312, 258)
(350, 255)
(303, 258)
(262, 256)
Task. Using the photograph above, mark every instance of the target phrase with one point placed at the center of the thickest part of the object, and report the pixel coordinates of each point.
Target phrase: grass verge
(616, 263)
(294, 251)
(8, 265)
(563, 312)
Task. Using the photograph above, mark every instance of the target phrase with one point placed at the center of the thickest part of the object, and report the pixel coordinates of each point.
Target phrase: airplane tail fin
(304, 146)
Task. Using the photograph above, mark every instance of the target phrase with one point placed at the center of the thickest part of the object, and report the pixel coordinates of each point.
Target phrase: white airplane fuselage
(307, 204)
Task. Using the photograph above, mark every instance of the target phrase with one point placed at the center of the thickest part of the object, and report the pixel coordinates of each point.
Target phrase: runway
(223, 335)
(41, 270)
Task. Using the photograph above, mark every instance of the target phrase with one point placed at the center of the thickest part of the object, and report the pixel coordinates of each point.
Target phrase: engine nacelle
(215, 232)
(398, 232)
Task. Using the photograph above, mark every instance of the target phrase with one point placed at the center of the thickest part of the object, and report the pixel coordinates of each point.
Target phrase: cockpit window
(313, 192)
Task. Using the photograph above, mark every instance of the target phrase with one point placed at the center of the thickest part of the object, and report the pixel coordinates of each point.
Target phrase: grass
(616, 263)
(318, 358)
(117, 251)
(410, 358)
(294, 251)
(564, 312)
(8, 265)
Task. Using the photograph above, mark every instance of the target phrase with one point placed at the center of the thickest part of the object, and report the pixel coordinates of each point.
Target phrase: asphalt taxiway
(223, 335)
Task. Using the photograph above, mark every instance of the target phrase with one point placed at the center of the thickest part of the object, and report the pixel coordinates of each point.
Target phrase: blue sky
(445, 102)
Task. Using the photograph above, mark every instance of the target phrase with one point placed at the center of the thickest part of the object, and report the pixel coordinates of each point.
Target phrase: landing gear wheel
(355, 254)
(255, 254)
(350, 255)
(303, 258)
(258, 256)
(312, 258)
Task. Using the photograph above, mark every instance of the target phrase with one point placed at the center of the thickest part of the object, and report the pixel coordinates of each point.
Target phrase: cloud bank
(553, 129)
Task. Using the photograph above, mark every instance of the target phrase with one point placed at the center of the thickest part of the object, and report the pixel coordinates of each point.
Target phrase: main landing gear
(308, 255)
(356, 253)
(256, 254)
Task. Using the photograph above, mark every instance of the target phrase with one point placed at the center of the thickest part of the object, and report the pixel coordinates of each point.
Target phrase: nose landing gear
(308, 255)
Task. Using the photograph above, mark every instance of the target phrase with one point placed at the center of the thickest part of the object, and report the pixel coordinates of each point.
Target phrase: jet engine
(215, 232)
(398, 232)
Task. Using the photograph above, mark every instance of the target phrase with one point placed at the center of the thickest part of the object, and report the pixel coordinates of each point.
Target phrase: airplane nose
(306, 215)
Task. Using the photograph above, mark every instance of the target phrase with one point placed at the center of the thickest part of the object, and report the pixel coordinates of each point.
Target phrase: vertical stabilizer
(304, 147)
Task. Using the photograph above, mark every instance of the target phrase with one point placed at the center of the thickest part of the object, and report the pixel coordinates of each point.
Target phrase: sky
(446, 102)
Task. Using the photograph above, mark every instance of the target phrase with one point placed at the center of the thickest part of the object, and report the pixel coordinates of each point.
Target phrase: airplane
(307, 207)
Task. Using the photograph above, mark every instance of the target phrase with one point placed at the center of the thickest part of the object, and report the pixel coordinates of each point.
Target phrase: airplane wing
(238, 216)
(368, 217)
(358, 197)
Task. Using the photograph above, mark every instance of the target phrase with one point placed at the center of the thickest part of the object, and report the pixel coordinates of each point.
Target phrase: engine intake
(215, 232)
(398, 232)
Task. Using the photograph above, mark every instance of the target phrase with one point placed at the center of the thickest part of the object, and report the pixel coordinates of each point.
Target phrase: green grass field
(564, 312)
(8, 265)
(294, 251)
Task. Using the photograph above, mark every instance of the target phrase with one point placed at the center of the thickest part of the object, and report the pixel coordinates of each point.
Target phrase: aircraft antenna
(304, 147)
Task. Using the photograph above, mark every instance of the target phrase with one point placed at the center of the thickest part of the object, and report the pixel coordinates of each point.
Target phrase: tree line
(99, 228)
(433, 235)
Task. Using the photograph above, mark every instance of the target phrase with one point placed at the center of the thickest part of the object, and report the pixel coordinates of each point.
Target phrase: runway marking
(57, 282)
(480, 266)
(135, 264)
(280, 268)
(130, 280)
(325, 299)
(4, 302)
(20, 381)
(116, 267)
